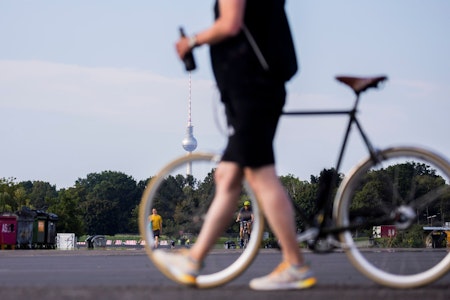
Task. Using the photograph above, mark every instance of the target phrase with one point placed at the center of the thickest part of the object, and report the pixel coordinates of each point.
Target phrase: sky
(93, 85)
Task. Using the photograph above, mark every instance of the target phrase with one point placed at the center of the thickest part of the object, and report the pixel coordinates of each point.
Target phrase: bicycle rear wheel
(189, 197)
(390, 207)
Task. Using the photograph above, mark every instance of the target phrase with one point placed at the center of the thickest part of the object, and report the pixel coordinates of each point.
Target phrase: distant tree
(69, 212)
(21, 198)
(7, 187)
(107, 201)
(5, 202)
(101, 217)
(42, 194)
(305, 194)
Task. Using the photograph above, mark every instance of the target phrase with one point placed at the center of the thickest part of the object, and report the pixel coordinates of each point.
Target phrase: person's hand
(182, 47)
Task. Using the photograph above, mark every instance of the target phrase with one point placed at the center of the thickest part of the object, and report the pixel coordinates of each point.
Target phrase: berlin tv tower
(189, 142)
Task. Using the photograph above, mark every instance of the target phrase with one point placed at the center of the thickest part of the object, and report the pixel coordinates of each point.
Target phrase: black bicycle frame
(324, 203)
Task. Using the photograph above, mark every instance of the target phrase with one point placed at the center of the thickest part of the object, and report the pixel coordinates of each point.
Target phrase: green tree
(42, 194)
(69, 212)
(21, 198)
(107, 201)
(7, 188)
(5, 202)
(101, 216)
(302, 195)
(307, 197)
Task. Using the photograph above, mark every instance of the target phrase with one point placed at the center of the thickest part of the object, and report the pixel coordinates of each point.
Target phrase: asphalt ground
(127, 273)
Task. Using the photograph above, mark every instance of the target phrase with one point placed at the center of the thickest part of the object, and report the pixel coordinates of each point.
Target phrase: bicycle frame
(317, 222)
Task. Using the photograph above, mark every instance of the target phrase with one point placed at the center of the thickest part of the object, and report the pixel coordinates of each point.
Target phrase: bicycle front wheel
(393, 210)
(185, 187)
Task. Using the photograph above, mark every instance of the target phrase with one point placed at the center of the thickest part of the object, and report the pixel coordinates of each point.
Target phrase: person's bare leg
(228, 179)
(277, 208)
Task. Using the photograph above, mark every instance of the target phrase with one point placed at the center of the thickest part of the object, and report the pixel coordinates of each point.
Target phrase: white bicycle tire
(341, 215)
(203, 280)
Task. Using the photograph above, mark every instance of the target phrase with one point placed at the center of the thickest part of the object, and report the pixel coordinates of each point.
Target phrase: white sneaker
(178, 266)
(285, 277)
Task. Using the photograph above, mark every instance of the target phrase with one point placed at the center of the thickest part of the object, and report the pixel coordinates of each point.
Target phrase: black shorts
(156, 233)
(253, 108)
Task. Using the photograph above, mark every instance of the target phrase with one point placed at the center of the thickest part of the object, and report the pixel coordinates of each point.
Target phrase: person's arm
(227, 25)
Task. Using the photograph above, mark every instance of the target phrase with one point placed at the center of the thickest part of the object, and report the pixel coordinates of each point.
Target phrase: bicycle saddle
(361, 84)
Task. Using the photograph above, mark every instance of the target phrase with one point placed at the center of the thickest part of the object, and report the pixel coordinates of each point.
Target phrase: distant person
(156, 224)
(245, 214)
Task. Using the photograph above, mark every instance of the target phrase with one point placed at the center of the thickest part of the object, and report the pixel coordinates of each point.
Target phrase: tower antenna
(189, 142)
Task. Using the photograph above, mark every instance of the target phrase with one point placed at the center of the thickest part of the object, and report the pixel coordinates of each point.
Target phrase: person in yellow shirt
(156, 225)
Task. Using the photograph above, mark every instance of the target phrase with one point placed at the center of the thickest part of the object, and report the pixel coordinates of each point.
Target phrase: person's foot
(285, 277)
(178, 265)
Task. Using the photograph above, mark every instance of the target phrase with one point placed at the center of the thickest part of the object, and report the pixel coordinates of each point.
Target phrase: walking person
(156, 224)
(252, 57)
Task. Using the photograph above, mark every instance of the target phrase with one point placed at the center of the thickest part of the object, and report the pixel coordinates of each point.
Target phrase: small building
(438, 233)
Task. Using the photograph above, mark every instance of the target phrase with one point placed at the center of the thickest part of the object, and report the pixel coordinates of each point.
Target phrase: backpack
(277, 53)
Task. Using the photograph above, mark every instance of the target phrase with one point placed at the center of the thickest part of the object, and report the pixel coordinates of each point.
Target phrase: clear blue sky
(88, 86)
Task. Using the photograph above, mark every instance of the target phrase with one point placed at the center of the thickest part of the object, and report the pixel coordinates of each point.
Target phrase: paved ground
(129, 274)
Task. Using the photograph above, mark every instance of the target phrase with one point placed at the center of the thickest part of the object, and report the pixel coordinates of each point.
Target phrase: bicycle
(245, 234)
(391, 187)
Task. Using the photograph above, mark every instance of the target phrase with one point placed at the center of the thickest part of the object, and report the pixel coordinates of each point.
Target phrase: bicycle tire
(246, 238)
(390, 263)
(217, 277)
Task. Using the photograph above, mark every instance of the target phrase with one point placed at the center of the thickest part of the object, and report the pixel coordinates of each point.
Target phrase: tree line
(108, 202)
(102, 203)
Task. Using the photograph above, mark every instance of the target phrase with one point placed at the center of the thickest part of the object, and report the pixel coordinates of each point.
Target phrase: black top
(267, 22)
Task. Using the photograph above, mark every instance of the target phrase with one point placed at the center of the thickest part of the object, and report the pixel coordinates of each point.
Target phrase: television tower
(189, 142)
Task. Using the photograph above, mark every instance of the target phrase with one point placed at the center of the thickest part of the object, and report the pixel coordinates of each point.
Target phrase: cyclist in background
(245, 214)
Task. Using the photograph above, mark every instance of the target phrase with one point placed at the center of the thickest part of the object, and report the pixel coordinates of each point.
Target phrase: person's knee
(262, 177)
(229, 176)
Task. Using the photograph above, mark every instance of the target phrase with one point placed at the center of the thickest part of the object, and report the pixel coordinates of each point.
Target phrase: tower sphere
(189, 142)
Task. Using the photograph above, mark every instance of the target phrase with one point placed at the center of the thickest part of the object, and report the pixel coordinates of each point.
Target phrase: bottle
(188, 59)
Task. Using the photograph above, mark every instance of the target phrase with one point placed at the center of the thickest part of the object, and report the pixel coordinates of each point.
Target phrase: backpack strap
(255, 48)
